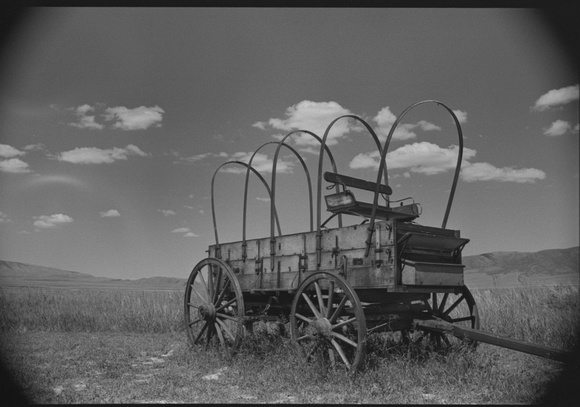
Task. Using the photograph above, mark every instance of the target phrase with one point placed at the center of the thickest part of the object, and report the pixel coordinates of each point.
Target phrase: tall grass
(544, 315)
(547, 315)
(90, 310)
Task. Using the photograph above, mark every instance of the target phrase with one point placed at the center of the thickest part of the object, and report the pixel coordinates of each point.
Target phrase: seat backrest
(356, 183)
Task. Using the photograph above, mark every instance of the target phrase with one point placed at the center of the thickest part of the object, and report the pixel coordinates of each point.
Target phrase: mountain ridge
(487, 270)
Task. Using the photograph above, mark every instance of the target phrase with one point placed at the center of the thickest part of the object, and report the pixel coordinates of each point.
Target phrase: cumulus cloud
(139, 118)
(4, 218)
(198, 157)
(14, 165)
(7, 151)
(111, 213)
(404, 131)
(559, 127)
(94, 155)
(461, 116)
(314, 117)
(86, 120)
(424, 157)
(260, 163)
(186, 232)
(430, 159)
(557, 97)
(166, 212)
(51, 221)
(487, 172)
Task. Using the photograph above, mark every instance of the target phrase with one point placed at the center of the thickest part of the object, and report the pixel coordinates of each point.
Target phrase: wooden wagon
(336, 286)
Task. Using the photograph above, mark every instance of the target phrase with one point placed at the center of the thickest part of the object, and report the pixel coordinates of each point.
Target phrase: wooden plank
(493, 339)
(356, 183)
(433, 274)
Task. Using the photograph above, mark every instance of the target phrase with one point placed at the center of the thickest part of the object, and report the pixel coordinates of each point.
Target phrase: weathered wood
(432, 274)
(493, 339)
(356, 183)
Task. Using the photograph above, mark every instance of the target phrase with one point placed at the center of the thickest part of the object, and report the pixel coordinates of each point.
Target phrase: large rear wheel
(214, 306)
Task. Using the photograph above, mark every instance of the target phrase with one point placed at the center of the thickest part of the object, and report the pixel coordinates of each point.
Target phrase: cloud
(461, 116)
(559, 127)
(111, 213)
(430, 159)
(314, 117)
(404, 131)
(7, 151)
(557, 97)
(139, 118)
(86, 121)
(166, 212)
(197, 157)
(35, 147)
(94, 155)
(487, 172)
(4, 218)
(186, 232)
(14, 165)
(52, 221)
(260, 163)
(424, 157)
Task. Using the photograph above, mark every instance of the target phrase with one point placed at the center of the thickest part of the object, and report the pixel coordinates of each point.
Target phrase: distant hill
(498, 269)
(509, 269)
(14, 274)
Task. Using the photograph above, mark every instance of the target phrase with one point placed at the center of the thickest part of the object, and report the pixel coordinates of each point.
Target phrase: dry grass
(87, 346)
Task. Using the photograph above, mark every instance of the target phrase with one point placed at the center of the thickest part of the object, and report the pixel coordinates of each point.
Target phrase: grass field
(90, 346)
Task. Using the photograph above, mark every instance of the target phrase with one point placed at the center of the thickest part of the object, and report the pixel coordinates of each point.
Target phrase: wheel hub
(207, 312)
(323, 327)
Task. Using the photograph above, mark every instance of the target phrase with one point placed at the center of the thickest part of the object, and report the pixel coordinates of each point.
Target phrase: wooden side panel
(433, 274)
(342, 248)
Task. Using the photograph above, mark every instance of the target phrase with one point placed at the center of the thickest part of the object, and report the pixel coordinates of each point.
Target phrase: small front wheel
(327, 322)
(214, 306)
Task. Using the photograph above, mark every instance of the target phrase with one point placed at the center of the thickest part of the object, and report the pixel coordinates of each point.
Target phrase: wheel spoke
(340, 352)
(201, 333)
(223, 292)
(210, 284)
(330, 298)
(345, 339)
(434, 299)
(311, 305)
(455, 304)
(469, 318)
(227, 304)
(226, 329)
(319, 295)
(443, 301)
(225, 316)
(194, 322)
(219, 334)
(198, 294)
(301, 338)
(217, 286)
(200, 274)
(303, 318)
(338, 310)
(343, 323)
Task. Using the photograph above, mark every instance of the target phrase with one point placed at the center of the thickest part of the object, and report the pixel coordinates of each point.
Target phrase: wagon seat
(436, 251)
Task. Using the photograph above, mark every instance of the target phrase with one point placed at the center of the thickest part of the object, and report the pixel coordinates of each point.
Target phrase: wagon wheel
(214, 306)
(327, 322)
(458, 309)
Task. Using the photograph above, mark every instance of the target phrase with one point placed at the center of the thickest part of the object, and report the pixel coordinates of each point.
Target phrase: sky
(113, 122)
